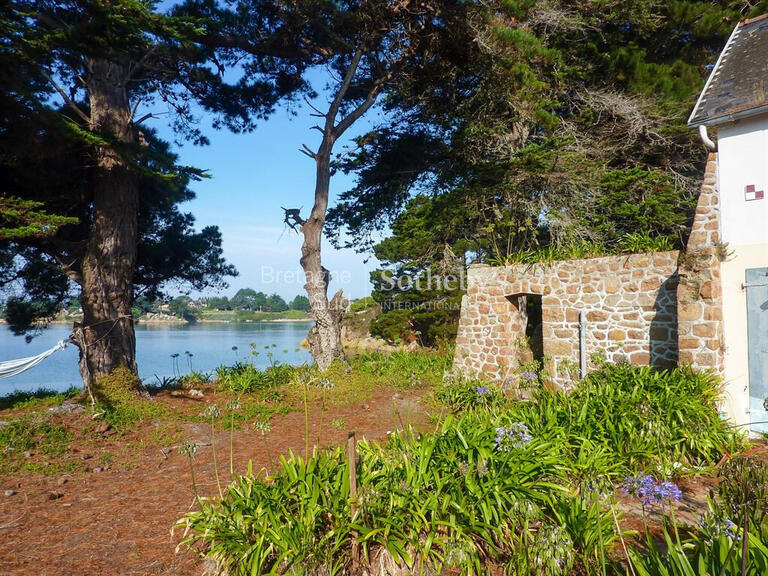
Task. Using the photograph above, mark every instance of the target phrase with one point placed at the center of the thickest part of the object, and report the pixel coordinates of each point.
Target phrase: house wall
(742, 161)
(630, 304)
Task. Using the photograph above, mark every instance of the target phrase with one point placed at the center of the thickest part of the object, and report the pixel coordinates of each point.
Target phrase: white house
(732, 117)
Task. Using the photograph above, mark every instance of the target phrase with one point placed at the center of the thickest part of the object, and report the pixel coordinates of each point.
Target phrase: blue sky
(252, 176)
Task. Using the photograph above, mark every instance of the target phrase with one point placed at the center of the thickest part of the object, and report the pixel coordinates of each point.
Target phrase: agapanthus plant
(514, 436)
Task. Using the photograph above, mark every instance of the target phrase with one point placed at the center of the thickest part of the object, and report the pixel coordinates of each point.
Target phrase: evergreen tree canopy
(559, 122)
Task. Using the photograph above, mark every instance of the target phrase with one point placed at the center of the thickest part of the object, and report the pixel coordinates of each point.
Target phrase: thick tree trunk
(106, 337)
(325, 336)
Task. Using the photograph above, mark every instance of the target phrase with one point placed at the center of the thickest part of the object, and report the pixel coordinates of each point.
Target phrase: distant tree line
(249, 299)
(245, 299)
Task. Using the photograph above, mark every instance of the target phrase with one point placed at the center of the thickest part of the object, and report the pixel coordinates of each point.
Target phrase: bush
(461, 394)
(362, 304)
(427, 327)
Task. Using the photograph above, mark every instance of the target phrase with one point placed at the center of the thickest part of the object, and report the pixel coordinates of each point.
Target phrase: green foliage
(179, 306)
(507, 486)
(244, 378)
(300, 302)
(462, 394)
(47, 149)
(403, 368)
(637, 242)
(559, 125)
(31, 434)
(640, 201)
(41, 397)
(362, 304)
(36, 434)
(25, 218)
(118, 400)
(422, 325)
(449, 499)
(732, 538)
(701, 556)
(636, 416)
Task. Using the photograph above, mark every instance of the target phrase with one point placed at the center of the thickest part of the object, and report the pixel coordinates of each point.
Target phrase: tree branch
(361, 109)
(67, 100)
(146, 116)
(308, 151)
(333, 109)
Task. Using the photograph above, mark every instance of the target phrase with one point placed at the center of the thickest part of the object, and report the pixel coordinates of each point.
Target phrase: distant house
(734, 106)
(706, 307)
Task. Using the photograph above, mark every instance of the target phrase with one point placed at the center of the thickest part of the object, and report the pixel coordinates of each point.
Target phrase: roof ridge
(751, 20)
(736, 87)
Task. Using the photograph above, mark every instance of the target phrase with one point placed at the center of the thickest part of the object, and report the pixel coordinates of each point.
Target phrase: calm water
(209, 343)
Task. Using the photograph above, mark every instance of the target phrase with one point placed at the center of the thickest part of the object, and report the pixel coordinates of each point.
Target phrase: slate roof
(738, 84)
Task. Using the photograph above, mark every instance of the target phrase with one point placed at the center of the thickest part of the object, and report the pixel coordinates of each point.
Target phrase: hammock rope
(11, 368)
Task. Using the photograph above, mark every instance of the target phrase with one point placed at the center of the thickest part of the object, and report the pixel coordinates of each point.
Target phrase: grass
(32, 434)
(628, 244)
(19, 400)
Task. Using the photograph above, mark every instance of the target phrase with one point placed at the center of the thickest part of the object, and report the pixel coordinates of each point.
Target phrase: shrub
(362, 304)
(425, 326)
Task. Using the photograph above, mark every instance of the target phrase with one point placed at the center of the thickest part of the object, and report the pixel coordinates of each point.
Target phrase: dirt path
(117, 521)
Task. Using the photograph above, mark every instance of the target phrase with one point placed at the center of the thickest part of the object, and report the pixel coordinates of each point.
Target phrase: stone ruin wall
(629, 300)
(699, 295)
(662, 308)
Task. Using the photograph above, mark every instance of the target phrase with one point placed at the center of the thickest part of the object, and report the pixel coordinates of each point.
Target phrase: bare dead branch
(69, 102)
(308, 151)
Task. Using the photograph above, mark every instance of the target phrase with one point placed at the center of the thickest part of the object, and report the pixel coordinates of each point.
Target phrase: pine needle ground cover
(499, 487)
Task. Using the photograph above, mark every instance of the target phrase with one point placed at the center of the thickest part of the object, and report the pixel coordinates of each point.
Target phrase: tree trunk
(325, 336)
(106, 337)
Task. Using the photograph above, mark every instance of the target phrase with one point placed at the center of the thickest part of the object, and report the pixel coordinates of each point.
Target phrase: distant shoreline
(180, 321)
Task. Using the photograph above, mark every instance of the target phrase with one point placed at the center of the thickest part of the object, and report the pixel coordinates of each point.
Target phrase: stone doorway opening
(530, 328)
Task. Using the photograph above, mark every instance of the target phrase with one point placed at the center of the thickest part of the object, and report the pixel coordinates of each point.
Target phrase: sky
(252, 176)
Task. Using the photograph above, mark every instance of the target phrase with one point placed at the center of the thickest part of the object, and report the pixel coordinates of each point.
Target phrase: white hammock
(13, 367)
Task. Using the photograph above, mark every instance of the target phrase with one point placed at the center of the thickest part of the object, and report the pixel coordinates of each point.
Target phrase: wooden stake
(352, 461)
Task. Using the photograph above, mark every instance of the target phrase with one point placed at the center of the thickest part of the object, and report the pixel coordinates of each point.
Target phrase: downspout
(708, 142)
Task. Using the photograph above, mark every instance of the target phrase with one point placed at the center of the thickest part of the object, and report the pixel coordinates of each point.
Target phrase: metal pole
(582, 344)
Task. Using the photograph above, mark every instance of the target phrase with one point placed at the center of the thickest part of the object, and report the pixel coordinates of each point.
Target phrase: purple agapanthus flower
(515, 436)
(483, 390)
(529, 376)
(651, 492)
(714, 526)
